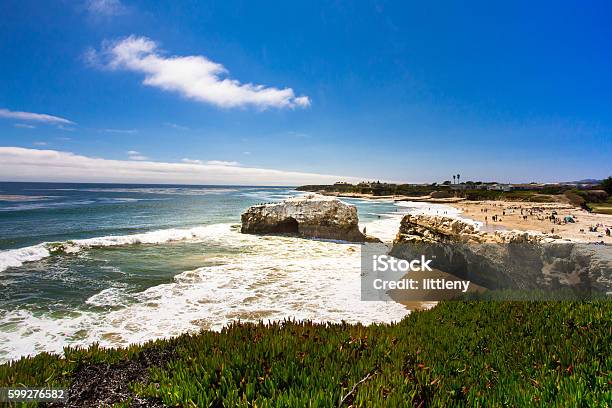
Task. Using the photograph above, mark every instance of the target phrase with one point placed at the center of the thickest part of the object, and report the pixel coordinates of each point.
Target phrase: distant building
(528, 186)
(499, 187)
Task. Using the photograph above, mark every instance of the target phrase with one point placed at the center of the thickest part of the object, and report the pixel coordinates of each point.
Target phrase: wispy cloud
(21, 164)
(40, 143)
(210, 162)
(175, 126)
(122, 131)
(194, 77)
(34, 117)
(105, 8)
(134, 155)
(24, 126)
(222, 163)
(191, 161)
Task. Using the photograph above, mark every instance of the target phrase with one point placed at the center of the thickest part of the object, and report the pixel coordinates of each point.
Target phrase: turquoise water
(137, 262)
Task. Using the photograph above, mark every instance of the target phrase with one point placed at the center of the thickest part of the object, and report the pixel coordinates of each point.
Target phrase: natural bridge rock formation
(312, 216)
(505, 259)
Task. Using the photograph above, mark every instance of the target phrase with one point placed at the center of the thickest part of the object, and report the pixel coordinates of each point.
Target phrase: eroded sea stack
(310, 216)
(505, 259)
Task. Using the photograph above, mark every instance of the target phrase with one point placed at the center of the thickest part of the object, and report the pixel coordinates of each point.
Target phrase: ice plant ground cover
(459, 353)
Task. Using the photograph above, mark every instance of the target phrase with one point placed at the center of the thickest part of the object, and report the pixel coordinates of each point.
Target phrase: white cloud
(195, 76)
(222, 163)
(40, 143)
(105, 8)
(134, 155)
(21, 164)
(211, 162)
(34, 117)
(191, 161)
(246, 153)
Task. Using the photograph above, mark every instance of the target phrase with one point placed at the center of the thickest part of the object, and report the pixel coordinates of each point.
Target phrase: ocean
(121, 264)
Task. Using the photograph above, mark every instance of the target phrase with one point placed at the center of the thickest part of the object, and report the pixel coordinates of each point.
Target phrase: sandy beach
(520, 215)
(526, 216)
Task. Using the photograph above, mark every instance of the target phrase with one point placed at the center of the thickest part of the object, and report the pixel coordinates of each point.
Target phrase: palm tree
(458, 177)
(453, 179)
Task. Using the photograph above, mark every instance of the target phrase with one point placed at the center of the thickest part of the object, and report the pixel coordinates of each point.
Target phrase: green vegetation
(601, 208)
(606, 185)
(474, 191)
(474, 353)
(378, 189)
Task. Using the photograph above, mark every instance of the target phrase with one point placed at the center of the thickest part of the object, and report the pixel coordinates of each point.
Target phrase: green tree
(606, 184)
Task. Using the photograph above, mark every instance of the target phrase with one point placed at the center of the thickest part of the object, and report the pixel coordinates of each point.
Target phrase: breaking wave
(17, 257)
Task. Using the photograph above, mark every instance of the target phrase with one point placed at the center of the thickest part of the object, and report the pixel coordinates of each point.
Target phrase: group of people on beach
(543, 213)
(594, 228)
(494, 218)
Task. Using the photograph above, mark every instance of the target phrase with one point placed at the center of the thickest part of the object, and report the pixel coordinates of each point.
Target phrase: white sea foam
(385, 228)
(17, 257)
(269, 278)
(109, 297)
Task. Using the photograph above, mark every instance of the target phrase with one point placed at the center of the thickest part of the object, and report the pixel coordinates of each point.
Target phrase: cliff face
(505, 259)
(312, 216)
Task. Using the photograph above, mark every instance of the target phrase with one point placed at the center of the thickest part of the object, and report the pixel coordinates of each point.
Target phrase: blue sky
(373, 90)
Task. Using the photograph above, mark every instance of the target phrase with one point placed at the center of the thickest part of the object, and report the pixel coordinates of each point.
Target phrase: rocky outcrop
(505, 259)
(311, 216)
(435, 228)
